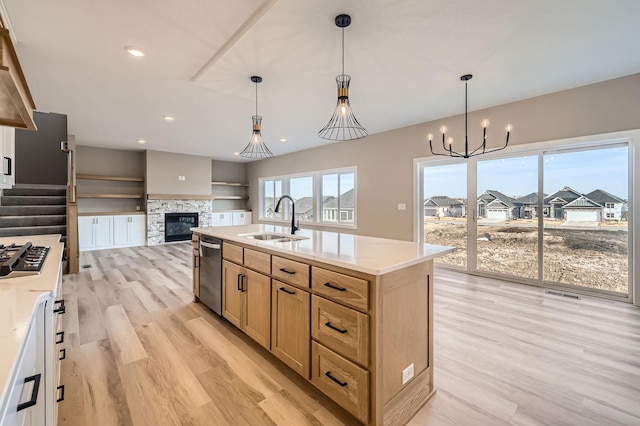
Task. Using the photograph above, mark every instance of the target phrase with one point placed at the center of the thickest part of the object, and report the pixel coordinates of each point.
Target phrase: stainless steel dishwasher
(211, 273)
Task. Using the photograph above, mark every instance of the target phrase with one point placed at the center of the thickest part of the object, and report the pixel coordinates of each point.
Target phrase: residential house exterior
(339, 209)
(613, 207)
(554, 203)
(527, 206)
(444, 206)
(582, 209)
(495, 205)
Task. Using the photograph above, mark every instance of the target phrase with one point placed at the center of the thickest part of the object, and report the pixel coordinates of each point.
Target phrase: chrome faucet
(294, 228)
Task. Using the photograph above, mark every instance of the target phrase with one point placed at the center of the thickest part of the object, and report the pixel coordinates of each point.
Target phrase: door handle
(242, 283)
(59, 334)
(8, 166)
(61, 309)
(34, 392)
(239, 279)
(63, 354)
(209, 245)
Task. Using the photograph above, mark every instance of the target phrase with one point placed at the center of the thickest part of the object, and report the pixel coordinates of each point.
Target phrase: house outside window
(609, 205)
(322, 197)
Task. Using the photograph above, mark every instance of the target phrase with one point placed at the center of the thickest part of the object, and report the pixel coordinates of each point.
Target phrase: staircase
(33, 211)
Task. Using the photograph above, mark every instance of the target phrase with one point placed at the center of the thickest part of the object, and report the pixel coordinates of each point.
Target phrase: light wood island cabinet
(350, 330)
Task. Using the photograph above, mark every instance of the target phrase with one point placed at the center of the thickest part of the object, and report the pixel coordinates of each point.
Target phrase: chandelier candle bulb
(485, 123)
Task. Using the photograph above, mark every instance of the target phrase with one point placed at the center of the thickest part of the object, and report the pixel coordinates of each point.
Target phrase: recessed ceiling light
(168, 118)
(283, 139)
(142, 141)
(236, 153)
(134, 51)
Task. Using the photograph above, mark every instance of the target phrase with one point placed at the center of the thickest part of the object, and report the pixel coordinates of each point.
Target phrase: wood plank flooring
(140, 352)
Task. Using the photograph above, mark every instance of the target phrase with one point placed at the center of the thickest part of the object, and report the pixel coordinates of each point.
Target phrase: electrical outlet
(402, 206)
(138, 208)
(181, 178)
(407, 374)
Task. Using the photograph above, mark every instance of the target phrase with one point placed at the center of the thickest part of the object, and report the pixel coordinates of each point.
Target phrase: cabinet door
(232, 296)
(120, 230)
(257, 317)
(291, 326)
(85, 232)
(7, 157)
(138, 230)
(241, 218)
(103, 228)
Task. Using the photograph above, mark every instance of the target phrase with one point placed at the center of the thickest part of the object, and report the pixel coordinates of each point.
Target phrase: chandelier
(256, 147)
(447, 143)
(343, 125)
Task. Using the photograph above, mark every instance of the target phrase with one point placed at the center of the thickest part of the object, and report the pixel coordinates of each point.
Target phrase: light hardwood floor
(139, 352)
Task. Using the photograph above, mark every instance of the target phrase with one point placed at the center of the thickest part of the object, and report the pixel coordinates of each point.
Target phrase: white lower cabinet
(7, 157)
(241, 218)
(230, 218)
(110, 231)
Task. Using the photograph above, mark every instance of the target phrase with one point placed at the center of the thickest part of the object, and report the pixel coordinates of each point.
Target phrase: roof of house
(528, 199)
(441, 201)
(347, 201)
(491, 194)
(582, 203)
(601, 197)
(566, 194)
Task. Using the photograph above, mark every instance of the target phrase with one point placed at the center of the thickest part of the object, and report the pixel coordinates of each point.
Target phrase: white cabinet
(241, 218)
(221, 219)
(95, 232)
(129, 230)
(7, 157)
(229, 218)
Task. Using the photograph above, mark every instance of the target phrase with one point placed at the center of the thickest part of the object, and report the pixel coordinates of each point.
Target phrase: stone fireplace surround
(156, 208)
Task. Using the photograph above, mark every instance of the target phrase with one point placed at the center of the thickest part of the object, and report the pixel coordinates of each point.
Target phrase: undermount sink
(270, 236)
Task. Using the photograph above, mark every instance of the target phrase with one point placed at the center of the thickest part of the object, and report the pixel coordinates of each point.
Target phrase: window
(610, 216)
(609, 205)
(324, 197)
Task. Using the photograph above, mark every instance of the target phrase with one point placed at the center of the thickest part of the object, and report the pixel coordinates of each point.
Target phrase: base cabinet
(110, 231)
(7, 158)
(128, 230)
(291, 326)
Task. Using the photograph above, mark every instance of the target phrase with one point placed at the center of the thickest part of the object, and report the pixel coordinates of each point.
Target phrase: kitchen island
(351, 314)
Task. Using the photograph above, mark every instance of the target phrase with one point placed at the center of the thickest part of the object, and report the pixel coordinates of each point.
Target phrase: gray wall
(385, 160)
(163, 169)
(225, 171)
(39, 160)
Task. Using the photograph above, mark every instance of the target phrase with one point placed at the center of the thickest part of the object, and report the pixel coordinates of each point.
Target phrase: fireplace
(177, 226)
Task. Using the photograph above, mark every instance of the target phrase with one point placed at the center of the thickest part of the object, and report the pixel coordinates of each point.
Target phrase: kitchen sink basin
(270, 236)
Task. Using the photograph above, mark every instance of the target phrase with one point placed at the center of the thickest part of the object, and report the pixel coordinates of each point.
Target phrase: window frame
(318, 219)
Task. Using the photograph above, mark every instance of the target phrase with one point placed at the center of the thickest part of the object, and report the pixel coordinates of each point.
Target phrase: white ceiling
(405, 58)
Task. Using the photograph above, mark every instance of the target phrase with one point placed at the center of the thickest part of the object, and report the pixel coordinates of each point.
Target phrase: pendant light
(256, 147)
(343, 125)
(482, 149)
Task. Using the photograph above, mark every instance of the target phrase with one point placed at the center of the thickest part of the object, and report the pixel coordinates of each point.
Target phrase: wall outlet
(138, 208)
(407, 374)
(402, 206)
(181, 178)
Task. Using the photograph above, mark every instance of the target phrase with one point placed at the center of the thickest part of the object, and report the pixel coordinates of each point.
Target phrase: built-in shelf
(230, 184)
(122, 196)
(112, 178)
(230, 197)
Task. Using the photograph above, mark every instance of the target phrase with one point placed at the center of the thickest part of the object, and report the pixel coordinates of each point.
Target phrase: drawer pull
(286, 271)
(34, 392)
(333, 327)
(59, 337)
(328, 374)
(61, 389)
(63, 354)
(287, 291)
(335, 287)
(60, 309)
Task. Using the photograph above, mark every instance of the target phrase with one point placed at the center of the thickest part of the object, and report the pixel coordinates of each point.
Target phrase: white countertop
(370, 255)
(19, 298)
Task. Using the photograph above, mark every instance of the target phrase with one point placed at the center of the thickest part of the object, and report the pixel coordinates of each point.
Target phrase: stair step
(20, 191)
(32, 200)
(32, 220)
(32, 210)
(32, 230)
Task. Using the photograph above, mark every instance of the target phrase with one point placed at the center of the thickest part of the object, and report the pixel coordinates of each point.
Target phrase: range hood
(16, 103)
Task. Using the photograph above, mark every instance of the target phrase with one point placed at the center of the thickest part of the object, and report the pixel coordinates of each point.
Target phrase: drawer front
(232, 253)
(257, 260)
(290, 271)
(342, 329)
(342, 288)
(343, 381)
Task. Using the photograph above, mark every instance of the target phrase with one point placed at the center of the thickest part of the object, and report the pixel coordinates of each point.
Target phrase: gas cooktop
(21, 260)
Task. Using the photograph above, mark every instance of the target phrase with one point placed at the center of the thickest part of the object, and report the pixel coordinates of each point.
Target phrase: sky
(584, 171)
(303, 186)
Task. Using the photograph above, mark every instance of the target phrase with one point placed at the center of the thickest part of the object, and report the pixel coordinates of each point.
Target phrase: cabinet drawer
(343, 381)
(290, 271)
(342, 288)
(342, 329)
(232, 253)
(257, 260)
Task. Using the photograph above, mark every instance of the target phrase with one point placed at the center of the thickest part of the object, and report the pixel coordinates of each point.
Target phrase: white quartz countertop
(371, 255)
(19, 298)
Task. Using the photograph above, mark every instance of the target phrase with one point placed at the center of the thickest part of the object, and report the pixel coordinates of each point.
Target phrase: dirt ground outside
(593, 258)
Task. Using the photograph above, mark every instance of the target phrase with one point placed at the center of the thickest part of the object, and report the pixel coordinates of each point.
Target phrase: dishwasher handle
(209, 245)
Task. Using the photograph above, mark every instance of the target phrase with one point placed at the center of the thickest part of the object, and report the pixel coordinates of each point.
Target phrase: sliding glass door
(557, 218)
